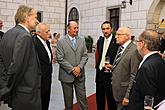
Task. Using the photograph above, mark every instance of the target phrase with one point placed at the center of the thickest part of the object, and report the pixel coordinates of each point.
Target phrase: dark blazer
(22, 73)
(111, 53)
(162, 45)
(150, 80)
(46, 64)
(124, 72)
(1, 34)
(46, 69)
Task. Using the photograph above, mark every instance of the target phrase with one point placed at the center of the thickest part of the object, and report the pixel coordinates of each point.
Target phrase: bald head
(43, 31)
(123, 35)
(151, 38)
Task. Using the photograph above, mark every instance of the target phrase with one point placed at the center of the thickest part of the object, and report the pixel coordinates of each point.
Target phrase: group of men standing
(133, 72)
(26, 64)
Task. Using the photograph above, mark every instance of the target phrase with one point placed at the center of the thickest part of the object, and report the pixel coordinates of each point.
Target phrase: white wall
(53, 12)
(94, 12)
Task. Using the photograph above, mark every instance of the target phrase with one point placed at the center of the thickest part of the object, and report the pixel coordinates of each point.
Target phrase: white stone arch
(154, 14)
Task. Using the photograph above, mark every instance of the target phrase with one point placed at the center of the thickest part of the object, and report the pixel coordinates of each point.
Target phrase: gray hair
(22, 12)
(151, 38)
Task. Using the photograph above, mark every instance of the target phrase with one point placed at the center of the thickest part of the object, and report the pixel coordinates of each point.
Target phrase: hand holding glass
(148, 102)
(107, 64)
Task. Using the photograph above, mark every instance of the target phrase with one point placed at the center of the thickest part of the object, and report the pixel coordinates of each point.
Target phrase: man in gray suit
(72, 57)
(124, 67)
(20, 75)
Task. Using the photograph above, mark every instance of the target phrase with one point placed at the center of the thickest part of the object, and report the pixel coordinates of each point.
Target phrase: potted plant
(89, 43)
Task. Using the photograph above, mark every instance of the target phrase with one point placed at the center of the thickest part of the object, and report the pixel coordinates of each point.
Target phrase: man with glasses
(150, 78)
(124, 67)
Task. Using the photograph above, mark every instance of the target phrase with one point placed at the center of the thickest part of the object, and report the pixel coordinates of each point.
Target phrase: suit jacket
(1, 34)
(150, 80)
(111, 53)
(46, 64)
(22, 75)
(69, 57)
(124, 72)
(162, 45)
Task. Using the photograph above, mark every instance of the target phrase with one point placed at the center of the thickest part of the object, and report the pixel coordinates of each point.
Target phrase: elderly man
(124, 67)
(45, 56)
(150, 78)
(72, 57)
(21, 75)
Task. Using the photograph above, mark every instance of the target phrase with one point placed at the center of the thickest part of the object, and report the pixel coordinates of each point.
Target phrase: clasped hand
(76, 71)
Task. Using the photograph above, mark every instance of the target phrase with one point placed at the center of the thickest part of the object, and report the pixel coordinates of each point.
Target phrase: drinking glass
(148, 102)
(107, 61)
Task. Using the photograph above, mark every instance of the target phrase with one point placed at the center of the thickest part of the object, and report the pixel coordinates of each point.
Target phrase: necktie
(119, 52)
(73, 43)
(102, 63)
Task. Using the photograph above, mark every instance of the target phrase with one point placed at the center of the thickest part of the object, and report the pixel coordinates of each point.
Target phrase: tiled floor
(57, 102)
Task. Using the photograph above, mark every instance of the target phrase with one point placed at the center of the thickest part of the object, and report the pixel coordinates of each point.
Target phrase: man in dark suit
(45, 56)
(1, 32)
(72, 57)
(150, 78)
(21, 76)
(124, 67)
(106, 47)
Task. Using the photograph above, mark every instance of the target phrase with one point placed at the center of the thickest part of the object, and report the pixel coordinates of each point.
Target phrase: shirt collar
(71, 37)
(126, 44)
(109, 38)
(24, 27)
(43, 42)
(149, 54)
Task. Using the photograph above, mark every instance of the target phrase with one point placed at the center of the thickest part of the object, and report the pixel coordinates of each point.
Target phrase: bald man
(150, 78)
(124, 67)
(45, 57)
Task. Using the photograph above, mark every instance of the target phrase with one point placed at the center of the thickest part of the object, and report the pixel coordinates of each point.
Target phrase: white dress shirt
(105, 48)
(46, 47)
(146, 56)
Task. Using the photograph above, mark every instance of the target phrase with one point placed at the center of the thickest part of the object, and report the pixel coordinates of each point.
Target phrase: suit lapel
(43, 50)
(48, 44)
(111, 43)
(125, 52)
(78, 41)
(70, 42)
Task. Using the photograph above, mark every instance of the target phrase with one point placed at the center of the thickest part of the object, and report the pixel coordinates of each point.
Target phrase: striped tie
(119, 52)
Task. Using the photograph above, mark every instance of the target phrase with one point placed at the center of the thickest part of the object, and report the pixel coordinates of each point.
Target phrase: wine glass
(148, 102)
(107, 61)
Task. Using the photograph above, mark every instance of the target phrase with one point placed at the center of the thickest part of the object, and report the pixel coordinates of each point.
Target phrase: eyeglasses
(117, 34)
(138, 40)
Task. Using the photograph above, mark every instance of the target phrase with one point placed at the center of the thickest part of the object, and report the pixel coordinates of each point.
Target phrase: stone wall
(53, 12)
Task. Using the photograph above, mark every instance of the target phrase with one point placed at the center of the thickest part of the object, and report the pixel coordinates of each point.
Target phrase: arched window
(73, 15)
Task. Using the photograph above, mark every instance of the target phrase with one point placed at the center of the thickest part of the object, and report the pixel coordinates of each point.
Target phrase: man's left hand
(125, 101)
